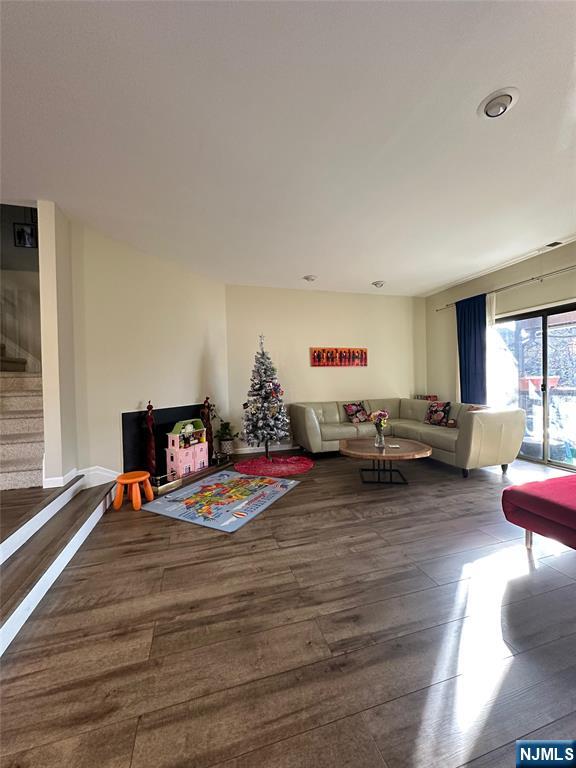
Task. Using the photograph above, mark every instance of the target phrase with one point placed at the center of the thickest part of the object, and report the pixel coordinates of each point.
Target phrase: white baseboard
(260, 449)
(15, 621)
(98, 475)
(58, 482)
(30, 527)
(92, 476)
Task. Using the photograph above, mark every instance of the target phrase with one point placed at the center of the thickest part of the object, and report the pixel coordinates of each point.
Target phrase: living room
(341, 179)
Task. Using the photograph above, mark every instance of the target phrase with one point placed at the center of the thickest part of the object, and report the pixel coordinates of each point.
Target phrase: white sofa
(482, 438)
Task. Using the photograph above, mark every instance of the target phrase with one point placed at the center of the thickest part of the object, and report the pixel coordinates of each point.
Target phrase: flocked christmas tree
(265, 419)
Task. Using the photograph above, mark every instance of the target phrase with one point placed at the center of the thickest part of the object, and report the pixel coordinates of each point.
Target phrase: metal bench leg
(528, 539)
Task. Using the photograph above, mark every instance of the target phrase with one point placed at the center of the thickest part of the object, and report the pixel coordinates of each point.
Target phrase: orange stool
(132, 481)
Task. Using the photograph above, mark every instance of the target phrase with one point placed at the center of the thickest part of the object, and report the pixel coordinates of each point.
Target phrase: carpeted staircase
(7, 363)
(21, 429)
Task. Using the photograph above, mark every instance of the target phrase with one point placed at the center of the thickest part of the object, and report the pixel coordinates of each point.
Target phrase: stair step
(25, 511)
(30, 374)
(25, 478)
(17, 382)
(22, 453)
(16, 463)
(32, 569)
(13, 364)
(22, 437)
(20, 402)
(16, 422)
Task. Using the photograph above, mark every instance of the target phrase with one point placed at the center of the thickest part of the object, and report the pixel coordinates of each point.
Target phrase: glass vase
(379, 442)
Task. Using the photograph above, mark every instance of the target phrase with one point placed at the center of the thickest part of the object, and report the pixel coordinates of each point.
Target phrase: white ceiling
(263, 141)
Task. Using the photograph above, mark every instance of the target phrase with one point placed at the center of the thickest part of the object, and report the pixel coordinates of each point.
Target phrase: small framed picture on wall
(25, 236)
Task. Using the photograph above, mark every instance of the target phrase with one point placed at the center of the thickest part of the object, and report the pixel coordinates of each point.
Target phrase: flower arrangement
(380, 418)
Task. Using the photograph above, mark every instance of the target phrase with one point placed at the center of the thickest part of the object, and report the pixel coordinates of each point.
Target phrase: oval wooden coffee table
(395, 449)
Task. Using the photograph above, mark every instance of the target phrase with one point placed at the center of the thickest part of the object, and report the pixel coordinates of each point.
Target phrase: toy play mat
(224, 502)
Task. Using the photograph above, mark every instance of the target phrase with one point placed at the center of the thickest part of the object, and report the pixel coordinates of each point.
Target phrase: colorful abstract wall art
(338, 357)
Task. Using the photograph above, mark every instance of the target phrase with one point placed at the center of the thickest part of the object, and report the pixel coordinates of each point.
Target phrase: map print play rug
(225, 501)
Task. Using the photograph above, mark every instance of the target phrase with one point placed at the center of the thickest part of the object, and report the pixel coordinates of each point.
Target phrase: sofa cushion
(338, 431)
(438, 413)
(406, 428)
(327, 412)
(390, 404)
(413, 409)
(439, 437)
(369, 430)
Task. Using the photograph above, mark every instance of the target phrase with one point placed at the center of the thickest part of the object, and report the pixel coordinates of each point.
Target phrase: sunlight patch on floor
(483, 657)
(527, 471)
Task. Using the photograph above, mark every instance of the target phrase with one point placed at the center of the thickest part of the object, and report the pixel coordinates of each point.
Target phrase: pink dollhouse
(187, 450)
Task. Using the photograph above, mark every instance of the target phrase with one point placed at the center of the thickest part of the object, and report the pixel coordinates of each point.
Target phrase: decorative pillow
(356, 412)
(437, 414)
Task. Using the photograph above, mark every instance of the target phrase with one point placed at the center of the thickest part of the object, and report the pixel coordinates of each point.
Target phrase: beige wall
(293, 321)
(441, 326)
(144, 329)
(57, 331)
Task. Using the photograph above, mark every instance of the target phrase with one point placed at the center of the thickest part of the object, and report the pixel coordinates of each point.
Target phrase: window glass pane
(515, 350)
(562, 387)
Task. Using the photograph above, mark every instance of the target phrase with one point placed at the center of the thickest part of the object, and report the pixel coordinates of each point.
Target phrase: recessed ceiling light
(498, 103)
(379, 283)
(309, 278)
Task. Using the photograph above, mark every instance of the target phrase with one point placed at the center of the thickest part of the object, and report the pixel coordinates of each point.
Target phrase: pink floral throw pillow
(438, 414)
(356, 412)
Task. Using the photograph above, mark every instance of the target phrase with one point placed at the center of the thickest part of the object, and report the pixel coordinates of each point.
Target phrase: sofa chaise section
(482, 438)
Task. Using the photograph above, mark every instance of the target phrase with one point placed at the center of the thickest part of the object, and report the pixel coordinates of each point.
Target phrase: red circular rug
(282, 467)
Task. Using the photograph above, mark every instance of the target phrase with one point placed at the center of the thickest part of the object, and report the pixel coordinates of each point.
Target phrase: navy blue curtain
(471, 320)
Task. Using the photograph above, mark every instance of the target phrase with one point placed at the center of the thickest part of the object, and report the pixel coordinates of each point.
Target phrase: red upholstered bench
(547, 507)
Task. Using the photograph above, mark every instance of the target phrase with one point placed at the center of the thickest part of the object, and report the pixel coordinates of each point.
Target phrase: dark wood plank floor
(348, 625)
(23, 569)
(19, 505)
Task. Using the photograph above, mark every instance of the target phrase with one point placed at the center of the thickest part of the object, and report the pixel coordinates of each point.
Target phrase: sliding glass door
(561, 357)
(532, 359)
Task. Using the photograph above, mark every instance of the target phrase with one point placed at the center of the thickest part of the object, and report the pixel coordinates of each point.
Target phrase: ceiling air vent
(554, 244)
